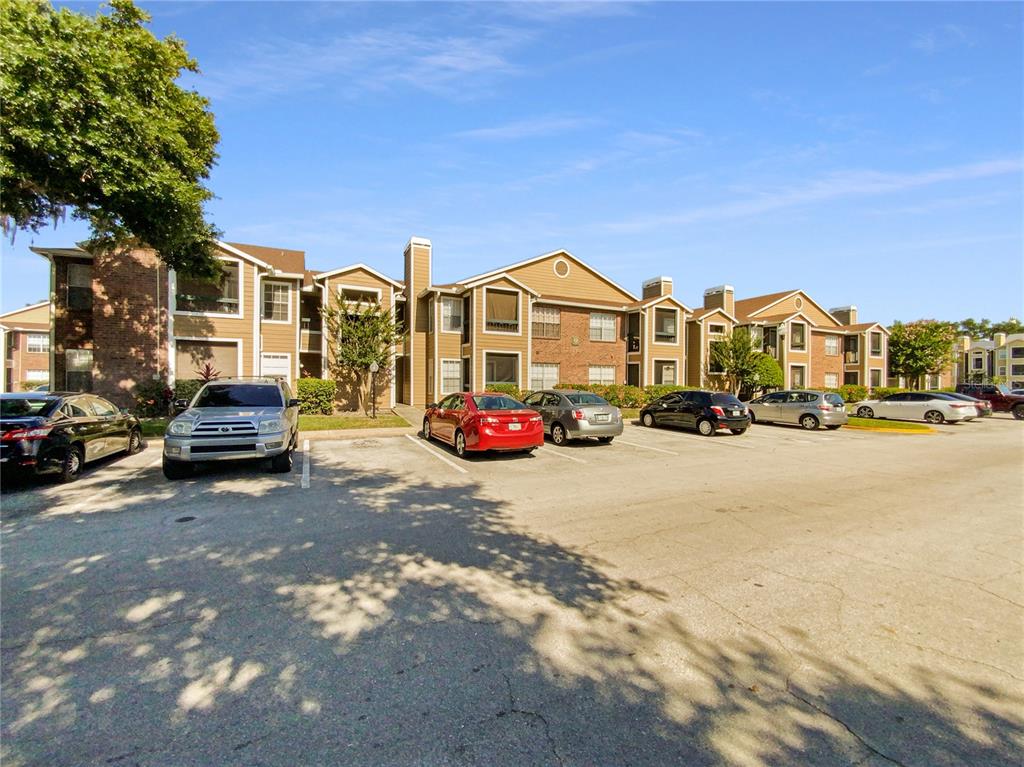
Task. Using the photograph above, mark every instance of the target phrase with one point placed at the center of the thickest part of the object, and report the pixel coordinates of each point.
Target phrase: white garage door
(276, 365)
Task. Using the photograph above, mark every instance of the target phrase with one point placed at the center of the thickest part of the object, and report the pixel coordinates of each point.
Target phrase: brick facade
(72, 328)
(575, 352)
(822, 363)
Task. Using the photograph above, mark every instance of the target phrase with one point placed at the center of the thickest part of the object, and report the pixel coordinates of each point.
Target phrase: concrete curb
(926, 430)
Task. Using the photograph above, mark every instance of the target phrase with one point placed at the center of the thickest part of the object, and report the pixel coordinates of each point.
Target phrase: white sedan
(930, 406)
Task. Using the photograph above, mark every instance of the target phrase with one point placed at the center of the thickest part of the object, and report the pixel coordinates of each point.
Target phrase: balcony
(633, 343)
(851, 358)
(502, 326)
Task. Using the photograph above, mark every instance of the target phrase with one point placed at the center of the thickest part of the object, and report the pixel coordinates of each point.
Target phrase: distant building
(25, 339)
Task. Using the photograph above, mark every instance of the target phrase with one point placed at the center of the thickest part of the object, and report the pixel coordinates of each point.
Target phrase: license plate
(600, 418)
(515, 427)
(735, 412)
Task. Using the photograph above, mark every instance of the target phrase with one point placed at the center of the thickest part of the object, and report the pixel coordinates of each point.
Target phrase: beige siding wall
(789, 306)
(283, 338)
(498, 342)
(580, 283)
(417, 279)
(659, 351)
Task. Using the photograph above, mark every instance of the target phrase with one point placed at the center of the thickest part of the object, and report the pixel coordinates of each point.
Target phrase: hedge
(316, 395)
(187, 388)
(152, 398)
(626, 396)
(510, 389)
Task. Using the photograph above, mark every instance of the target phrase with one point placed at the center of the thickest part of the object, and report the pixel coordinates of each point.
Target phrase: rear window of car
(584, 398)
(724, 399)
(26, 408)
(834, 399)
(497, 402)
(239, 395)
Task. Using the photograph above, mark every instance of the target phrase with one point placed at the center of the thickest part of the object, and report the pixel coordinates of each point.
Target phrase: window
(451, 314)
(37, 375)
(876, 344)
(665, 326)
(665, 372)
(876, 377)
(602, 326)
(277, 305)
(797, 336)
(1017, 370)
(1017, 352)
(978, 363)
(38, 343)
(547, 322)
(602, 374)
(544, 375)
(101, 407)
(832, 346)
(451, 375)
(852, 377)
(714, 366)
(211, 297)
(831, 380)
(502, 311)
(797, 376)
(79, 286)
(501, 368)
(716, 330)
(359, 295)
(770, 341)
(78, 369)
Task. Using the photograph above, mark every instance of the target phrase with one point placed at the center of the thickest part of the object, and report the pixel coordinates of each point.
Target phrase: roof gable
(586, 281)
(292, 261)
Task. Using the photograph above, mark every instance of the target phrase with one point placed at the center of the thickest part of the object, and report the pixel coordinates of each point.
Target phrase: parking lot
(779, 597)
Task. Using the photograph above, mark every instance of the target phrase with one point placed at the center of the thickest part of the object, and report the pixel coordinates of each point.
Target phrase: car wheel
(1018, 412)
(460, 444)
(705, 427)
(176, 469)
(282, 462)
(738, 431)
(605, 440)
(558, 435)
(809, 422)
(752, 416)
(833, 427)
(865, 412)
(426, 428)
(934, 416)
(647, 419)
(71, 466)
(134, 442)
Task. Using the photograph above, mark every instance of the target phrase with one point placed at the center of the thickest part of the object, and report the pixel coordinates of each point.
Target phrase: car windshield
(497, 402)
(724, 399)
(834, 399)
(26, 408)
(1003, 388)
(585, 398)
(239, 395)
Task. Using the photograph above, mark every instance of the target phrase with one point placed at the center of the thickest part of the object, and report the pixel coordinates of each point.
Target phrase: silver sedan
(570, 414)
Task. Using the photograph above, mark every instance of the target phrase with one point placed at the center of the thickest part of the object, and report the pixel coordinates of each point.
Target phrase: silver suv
(810, 409)
(233, 419)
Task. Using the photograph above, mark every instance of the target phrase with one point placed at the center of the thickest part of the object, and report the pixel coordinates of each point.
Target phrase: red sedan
(484, 421)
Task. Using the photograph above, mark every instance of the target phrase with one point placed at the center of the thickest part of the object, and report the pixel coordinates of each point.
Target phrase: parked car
(810, 409)
(58, 433)
(930, 406)
(999, 396)
(1019, 392)
(705, 411)
(983, 405)
(569, 414)
(41, 387)
(483, 421)
(231, 420)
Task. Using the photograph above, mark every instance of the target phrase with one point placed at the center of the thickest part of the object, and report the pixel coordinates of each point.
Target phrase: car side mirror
(180, 404)
(293, 402)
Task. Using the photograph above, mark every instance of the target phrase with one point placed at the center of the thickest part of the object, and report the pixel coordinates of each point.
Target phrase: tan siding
(37, 314)
(789, 306)
(581, 283)
(497, 342)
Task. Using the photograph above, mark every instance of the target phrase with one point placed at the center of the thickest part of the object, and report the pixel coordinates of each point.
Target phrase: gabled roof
(714, 310)
(292, 261)
(643, 304)
(351, 268)
(63, 252)
(494, 277)
(28, 308)
(748, 307)
(860, 327)
(541, 257)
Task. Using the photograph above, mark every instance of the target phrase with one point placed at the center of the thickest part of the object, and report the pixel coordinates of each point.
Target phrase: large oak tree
(95, 124)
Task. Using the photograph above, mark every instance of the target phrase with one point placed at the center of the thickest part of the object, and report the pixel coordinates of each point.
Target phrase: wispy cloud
(529, 128)
(831, 187)
(541, 10)
(939, 92)
(942, 38)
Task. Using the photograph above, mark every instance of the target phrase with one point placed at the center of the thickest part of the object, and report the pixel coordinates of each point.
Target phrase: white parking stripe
(305, 463)
(421, 444)
(646, 447)
(557, 454)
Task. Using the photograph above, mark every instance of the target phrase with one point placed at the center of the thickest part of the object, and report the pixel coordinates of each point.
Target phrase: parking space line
(646, 447)
(419, 443)
(305, 463)
(549, 451)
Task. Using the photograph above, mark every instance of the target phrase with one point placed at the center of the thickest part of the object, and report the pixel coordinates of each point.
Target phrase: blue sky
(868, 153)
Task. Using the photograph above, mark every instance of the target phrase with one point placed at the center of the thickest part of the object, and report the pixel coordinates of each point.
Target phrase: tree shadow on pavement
(398, 622)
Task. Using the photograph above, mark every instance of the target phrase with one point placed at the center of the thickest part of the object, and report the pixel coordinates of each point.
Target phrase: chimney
(657, 287)
(847, 315)
(999, 339)
(721, 297)
(965, 343)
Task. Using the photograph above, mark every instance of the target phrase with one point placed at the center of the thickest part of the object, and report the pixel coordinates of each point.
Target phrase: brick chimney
(657, 287)
(847, 315)
(721, 297)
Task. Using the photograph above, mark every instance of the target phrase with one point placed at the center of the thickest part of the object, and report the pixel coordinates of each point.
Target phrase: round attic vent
(799, 303)
(561, 267)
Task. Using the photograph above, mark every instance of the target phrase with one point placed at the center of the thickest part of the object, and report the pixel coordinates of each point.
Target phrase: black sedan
(59, 432)
(705, 411)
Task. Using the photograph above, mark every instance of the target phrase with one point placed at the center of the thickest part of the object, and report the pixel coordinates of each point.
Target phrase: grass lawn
(630, 412)
(155, 427)
(882, 423)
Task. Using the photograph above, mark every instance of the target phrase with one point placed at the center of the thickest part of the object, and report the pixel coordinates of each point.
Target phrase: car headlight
(271, 425)
(180, 428)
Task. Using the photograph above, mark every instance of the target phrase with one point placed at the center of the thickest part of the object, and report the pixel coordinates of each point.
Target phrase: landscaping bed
(155, 427)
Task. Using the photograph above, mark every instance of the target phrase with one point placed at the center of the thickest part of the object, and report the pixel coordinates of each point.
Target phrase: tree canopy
(987, 329)
(359, 335)
(919, 348)
(745, 369)
(95, 123)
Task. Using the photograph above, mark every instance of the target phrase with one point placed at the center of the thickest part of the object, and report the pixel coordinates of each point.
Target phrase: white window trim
(590, 375)
(440, 384)
(341, 287)
(37, 378)
(839, 346)
(556, 365)
(825, 380)
(457, 300)
(173, 356)
(519, 315)
(519, 365)
(654, 370)
(554, 268)
(276, 354)
(789, 332)
(533, 319)
(28, 343)
(881, 378)
(241, 295)
(615, 328)
(713, 332)
(789, 374)
(263, 287)
(881, 348)
(654, 328)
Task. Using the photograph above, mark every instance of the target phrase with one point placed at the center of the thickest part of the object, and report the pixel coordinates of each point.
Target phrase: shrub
(152, 398)
(506, 388)
(30, 385)
(187, 388)
(316, 395)
(852, 392)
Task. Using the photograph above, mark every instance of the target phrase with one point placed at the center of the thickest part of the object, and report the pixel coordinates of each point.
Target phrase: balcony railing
(851, 357)
(503, 326)
(634, 343)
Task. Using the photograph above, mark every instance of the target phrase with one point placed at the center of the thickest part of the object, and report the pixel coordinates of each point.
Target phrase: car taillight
(825, 408)
(534, 418)
(489, 420)
(579, 415)
(40, 432)
(717, 410)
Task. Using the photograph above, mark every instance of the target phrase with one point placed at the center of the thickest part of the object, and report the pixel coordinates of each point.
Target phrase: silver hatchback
(570, 414)
(809, 409)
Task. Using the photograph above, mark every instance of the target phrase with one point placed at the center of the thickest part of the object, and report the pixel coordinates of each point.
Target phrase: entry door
(632, 374)
(276, 365)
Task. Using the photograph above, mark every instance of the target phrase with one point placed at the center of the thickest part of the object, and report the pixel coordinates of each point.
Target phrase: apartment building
(816, 348)
(25, 339)
(1001, 357)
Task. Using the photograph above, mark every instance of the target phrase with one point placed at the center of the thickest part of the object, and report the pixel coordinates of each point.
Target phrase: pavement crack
(513, 709)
